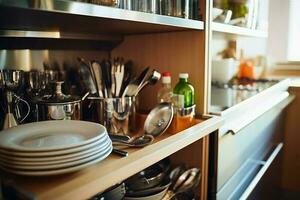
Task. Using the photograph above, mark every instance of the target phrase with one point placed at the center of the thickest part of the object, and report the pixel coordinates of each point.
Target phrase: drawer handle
(261, 172)
(232, 132)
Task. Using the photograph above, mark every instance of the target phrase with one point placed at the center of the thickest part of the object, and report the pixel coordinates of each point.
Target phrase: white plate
(51, 135)
(101, 141)
(36, 162)
(52, 158)
(61, 165)
(58, 171)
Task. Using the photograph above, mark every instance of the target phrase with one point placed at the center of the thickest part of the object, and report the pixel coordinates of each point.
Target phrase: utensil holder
(118, 115)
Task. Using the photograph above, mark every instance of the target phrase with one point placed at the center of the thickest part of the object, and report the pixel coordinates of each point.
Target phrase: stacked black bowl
(149, 184)
(116, 192)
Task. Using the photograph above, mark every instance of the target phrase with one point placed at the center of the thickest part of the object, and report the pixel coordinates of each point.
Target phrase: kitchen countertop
(226, 96)
(240, 108)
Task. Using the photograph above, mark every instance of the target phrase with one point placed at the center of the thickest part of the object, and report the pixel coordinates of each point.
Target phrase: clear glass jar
(144, 5)
(111, 3)
(176, 8)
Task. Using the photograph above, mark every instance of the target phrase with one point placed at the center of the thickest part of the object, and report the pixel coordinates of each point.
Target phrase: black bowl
(116, 192)
(149, 191)
(149, 177)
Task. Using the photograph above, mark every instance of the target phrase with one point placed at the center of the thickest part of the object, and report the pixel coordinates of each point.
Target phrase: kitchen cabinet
(290, 162)
(251, 139)
(70, 29)
(163, 42)
(244, 152)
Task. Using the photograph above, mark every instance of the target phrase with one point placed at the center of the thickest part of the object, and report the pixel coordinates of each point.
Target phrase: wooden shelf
(236, 30)
(97, 178)
(71, 16)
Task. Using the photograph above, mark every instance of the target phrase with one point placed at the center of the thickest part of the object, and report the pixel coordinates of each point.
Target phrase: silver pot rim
(58, 103)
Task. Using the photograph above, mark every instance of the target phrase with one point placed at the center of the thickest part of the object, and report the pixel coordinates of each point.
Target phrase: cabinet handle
(261, 172)
(231, 131)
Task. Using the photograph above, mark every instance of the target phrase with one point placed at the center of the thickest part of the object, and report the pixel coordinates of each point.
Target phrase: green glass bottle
(184, 92)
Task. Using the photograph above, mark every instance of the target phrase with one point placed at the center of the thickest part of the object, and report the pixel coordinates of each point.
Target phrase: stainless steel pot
(59, 106)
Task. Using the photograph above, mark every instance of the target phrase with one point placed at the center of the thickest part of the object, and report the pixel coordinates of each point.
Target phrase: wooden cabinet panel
(175, 52)
(291, 151)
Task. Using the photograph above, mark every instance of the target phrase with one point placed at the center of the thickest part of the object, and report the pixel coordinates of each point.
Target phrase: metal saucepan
(59, 106)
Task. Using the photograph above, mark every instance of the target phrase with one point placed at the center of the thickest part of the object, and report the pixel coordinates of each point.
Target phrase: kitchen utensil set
(144, 79)
(53, 147)
(151, 80)
(113, 79)
(86, 76)
(108, 77)
(97, 73)
(119, 75)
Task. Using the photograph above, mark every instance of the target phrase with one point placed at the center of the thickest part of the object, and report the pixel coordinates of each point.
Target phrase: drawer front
(238, 153)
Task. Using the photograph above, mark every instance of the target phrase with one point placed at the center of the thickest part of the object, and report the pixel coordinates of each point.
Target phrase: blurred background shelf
(230, 29)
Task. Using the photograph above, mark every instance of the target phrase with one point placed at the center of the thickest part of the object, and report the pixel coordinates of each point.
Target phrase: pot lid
(59, 97)
(159, 119)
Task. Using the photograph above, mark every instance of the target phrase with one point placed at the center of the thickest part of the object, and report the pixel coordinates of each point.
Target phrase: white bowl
(258, 71)
(223, 70)
(216, 12)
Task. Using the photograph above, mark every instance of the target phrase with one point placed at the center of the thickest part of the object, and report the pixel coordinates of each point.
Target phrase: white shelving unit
(225, 28)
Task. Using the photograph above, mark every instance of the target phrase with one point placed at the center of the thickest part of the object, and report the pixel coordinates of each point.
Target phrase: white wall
(293, 53)
(284, 30)
(278, 30)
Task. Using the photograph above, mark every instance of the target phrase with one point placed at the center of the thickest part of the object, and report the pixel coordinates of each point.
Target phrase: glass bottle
(184, 92)
(165, 92)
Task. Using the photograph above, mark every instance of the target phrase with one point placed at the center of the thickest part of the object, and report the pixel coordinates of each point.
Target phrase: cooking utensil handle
(27, 105)
(85, 96)
(120, 152)
(114, 137)
(169, 195)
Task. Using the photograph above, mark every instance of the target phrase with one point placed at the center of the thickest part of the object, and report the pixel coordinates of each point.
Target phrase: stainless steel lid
(159, 119)
(58, 97)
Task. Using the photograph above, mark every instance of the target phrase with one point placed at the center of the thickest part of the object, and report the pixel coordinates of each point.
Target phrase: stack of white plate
(53, 147)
